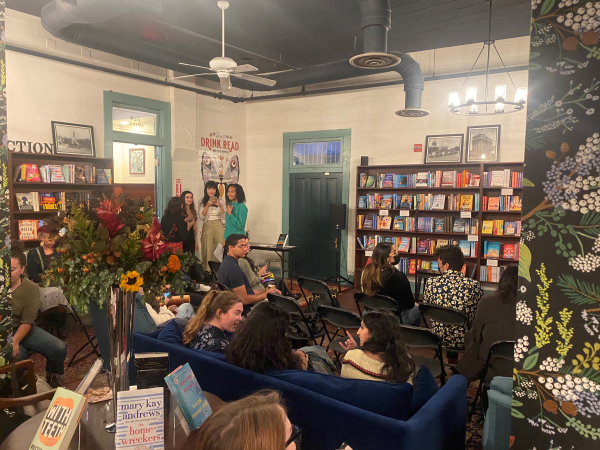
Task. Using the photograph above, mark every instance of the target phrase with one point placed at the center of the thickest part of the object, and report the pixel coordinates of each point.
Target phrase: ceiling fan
(224, 67)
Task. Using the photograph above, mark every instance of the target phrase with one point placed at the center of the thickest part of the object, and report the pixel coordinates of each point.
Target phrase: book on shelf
(380, 179)
(492, 249)
(465, 246)
(140, 419)
(370, 242)
(422, 246)
(459, 226)
(512, 228)
(515, 203)
(404, 245)
(388, 180)
(491, 273)
(497, 179)
(439, 200)
(362, 180)
(387, 202)
(384, 222)
(362, 201)
(26, 201)
(466, 203)
(448, 178)
(28, 230)
(27, 173)
(439, 225)
(435, 265)
(509, 251)
(475, 180)
(406, 201)
(370, 181)
(60, 421)
(493, 204)
(189, 396)
(400, 181)
(487, 226)
(104, 176)
(368, 221)
(422, 179)
(360, 242)
(50, 201)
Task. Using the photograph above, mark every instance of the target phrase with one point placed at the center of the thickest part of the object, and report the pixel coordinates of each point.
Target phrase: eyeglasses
(243, 245)
(296, 432)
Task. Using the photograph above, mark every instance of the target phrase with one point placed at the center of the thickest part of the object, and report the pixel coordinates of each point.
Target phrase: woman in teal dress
(237, 211)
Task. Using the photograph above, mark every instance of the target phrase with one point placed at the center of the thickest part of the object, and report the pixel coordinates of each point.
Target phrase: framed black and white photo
(483, 143)
(444, 148)
(73, 139)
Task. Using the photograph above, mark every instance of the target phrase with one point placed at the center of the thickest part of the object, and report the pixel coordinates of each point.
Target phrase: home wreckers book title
(140, 419)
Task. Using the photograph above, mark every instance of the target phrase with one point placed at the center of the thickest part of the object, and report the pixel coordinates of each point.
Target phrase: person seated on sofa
(381, 277)
(494, 321)
(260, 345)
(232, 276)
(382, 354)
(219, 312)
(259, 422)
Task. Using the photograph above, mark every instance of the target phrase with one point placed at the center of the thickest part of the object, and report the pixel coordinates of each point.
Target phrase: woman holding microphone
(212, 213)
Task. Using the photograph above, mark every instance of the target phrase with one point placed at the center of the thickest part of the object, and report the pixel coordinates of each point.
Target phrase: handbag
(51, 296)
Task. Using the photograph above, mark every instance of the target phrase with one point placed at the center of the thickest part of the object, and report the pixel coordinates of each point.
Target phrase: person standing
(173, 224)
(212, 213)
(237, 211)
(190, 244)
(27, 337)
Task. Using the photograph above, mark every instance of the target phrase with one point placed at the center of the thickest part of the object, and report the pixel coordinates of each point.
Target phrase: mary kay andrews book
(140, 419)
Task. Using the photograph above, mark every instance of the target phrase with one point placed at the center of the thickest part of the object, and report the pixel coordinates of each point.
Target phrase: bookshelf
(16, 159)
(474, 263)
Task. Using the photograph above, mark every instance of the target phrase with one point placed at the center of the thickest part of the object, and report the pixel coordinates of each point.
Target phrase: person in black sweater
(173, 224)
(381, 277)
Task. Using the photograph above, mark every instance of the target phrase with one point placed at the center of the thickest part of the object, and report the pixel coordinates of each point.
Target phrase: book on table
(141, 419)
(151, 369)
(189, 396)
(60, 421)
(282, 240)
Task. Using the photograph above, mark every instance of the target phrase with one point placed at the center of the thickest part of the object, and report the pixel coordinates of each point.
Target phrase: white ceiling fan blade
(243, 68)
(193, 65)
(195, 75)
(255, 79)
(225, 83)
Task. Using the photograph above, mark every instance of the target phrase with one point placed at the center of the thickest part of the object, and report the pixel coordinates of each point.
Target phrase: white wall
(376, 132)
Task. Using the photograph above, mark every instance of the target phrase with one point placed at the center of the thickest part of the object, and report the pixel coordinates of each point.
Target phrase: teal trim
(289, 139)
(162, 139)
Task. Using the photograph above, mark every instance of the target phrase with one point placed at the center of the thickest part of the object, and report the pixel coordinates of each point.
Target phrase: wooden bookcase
(361, 257)
(17, 158)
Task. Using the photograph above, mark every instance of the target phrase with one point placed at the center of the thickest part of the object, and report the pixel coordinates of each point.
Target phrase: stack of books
(503, 178)
(490, 273)
(498, 250)
(439, 178)
(67, 173)
(502, 203)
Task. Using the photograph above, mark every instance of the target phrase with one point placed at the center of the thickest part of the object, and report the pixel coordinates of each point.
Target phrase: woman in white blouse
(212, 213)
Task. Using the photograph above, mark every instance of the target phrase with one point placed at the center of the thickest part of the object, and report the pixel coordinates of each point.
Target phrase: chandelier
(501, 105)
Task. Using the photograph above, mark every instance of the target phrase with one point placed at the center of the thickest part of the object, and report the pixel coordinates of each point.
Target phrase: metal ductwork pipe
(69, 23)
(375, 21)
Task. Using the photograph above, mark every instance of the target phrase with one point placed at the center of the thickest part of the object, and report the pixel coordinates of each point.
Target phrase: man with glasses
(231, 275)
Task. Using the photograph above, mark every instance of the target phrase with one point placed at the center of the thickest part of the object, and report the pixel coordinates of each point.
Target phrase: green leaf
(547, 6)
(516, 413)
(530, 361)
(534, 66)
(524, 262)
(578, 291)
(103, 232)
(533, 55)
(119, 239)
(516, 403)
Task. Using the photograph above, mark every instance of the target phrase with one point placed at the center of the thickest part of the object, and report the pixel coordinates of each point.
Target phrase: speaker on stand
(337, 220)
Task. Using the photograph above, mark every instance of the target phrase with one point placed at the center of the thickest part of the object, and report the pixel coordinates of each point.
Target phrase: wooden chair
(33, 396)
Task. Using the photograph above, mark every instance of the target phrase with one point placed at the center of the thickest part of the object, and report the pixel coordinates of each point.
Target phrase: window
(316, 153)
(131, 121)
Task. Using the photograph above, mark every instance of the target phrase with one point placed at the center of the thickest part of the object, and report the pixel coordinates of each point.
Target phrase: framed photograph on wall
(73, 139)
(444, 148)
(137, 161)
(483, 143)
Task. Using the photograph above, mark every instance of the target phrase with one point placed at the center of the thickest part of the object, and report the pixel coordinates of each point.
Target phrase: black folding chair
(91, 340)
(446, 316)
(292, 306)
(421, 277)
(317, 287)
(223, 287)
(214, 268)
(422, 337)
(500, 349)
(342, 319)
(375, 302)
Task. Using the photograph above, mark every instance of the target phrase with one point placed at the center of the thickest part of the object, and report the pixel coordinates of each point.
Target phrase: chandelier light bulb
(453, 99)
(521, 95)
(499, 107)
(500, 93)
(471, 94)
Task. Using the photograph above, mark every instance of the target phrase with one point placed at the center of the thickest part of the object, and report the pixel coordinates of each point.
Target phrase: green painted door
(311, 195)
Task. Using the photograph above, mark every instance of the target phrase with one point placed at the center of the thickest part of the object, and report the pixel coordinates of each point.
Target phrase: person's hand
(16, 351)
(229, 209)
(173, 309)
(272, 290)
(197, 247)
(303, 359)
(350, 343)
(262, 271)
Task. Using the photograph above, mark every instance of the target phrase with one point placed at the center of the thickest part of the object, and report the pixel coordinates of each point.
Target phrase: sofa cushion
(171, 334)
(386, 399)
(424, 387)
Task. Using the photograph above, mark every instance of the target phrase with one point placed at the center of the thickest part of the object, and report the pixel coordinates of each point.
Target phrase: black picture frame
(434, 154)
(73, 139)
(474, 152)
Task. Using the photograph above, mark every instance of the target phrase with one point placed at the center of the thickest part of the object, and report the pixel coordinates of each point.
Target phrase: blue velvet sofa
(326, 423)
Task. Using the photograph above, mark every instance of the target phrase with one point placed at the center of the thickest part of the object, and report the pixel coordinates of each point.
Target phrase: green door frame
(162, 138)
(289, 139)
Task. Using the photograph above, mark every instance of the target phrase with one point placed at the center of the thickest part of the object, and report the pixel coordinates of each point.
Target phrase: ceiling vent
(376, 20)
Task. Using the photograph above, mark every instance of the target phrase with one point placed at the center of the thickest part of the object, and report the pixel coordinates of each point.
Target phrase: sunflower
(131, 281)
(174, 264)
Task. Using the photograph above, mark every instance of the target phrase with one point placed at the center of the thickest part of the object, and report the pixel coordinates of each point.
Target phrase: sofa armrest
(442, 421)
(502, 384)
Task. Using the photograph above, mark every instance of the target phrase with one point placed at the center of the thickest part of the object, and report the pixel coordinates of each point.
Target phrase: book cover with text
(140, 419)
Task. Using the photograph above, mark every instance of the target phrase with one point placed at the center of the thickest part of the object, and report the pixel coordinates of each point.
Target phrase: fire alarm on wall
(418, 148)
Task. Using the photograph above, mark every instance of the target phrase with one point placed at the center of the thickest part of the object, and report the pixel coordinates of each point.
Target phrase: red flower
(107, 207)
(154, 245)
(112, 223)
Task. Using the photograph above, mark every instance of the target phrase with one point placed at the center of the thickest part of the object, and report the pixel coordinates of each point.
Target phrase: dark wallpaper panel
(556, 396)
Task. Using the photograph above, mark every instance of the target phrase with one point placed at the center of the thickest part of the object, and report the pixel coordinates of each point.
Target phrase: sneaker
(202, 288)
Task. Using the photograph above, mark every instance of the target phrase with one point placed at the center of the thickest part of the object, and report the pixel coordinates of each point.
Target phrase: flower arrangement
(116, 243)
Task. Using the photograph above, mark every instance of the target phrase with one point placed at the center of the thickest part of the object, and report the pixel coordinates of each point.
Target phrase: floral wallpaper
(556, 401)
(5, 307)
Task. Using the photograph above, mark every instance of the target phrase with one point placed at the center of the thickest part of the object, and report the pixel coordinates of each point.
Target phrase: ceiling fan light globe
(222, 63)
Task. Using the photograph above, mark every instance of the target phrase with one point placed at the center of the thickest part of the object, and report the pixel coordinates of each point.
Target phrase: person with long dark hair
(382, 354)
(237, 211)
(494, 321)
(212, 213)
(173, 223)
(190, 245)
(260, 344)
(381, 277)
(218, 313)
